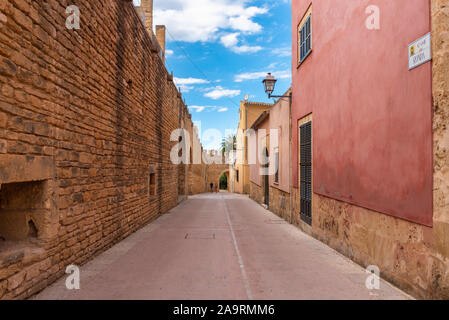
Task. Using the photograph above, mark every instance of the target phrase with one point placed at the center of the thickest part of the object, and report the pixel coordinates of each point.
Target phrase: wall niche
(22, 210)
(28, 213)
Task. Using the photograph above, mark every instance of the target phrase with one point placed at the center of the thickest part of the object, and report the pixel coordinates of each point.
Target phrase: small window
(152, 184)
(305, 37)
(276, 162)
(237, 175)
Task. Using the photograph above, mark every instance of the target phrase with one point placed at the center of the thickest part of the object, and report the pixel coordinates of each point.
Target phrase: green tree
(229, 144)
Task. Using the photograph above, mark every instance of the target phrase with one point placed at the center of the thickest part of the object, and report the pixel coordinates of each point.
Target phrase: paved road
(220, 246)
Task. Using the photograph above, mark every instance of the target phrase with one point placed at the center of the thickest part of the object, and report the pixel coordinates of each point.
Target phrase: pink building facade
(362, 140)
(272, 130)
(372, 117)
(259, 145)
(280, 123)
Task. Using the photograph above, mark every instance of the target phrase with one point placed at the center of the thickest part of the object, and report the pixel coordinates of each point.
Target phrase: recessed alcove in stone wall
(22, 210)
(28, 207)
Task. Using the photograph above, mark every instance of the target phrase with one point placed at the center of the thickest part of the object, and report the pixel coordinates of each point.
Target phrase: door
(306, 172)
(267, 189)
(267, 181)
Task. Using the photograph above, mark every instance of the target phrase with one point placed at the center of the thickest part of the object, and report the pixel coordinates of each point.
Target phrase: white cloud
(250, 76)
(282, 52)
(272, 65)
(203, 20)
(189, 81)
(231, 41)
(247, 49)
(168, 53)
(244, 24)
(199, 109)
(220, 92)
(187, 84)
(286, 74)
(184, 89)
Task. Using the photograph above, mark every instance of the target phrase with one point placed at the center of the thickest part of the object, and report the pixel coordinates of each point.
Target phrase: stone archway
(214, 172)
(223, 187)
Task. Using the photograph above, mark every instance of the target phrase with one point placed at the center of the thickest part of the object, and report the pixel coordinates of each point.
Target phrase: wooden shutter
(306, 39)
(276, 176)
(306, 172)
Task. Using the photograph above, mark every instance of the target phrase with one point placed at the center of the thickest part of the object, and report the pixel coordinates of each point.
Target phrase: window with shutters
(305, 37)
(306, 172)
(276, 162)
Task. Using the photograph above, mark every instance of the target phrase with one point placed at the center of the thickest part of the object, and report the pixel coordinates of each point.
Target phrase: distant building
(239, 173)
(272, 189)
(260, 166)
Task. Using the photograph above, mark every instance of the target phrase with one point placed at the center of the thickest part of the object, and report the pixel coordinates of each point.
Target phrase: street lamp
(269, 83)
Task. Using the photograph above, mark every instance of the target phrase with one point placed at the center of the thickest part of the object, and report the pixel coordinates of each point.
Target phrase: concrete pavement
(220, 246)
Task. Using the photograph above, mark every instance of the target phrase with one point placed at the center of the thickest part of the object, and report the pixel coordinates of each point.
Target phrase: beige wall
(280, 120)
(248, 114)
(262, 138)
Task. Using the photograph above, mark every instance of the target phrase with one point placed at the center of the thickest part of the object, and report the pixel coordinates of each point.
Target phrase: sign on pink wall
(372, 129)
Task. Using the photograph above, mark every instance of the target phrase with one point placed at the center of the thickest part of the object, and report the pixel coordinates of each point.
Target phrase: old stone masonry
(85, 121)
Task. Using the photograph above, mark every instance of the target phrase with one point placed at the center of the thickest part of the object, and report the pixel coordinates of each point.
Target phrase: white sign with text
(420, 52)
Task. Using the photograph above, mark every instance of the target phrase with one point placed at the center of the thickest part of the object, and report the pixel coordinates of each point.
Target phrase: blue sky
(220, 50)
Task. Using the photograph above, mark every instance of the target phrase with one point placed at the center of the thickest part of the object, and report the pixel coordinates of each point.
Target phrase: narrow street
(220, 246)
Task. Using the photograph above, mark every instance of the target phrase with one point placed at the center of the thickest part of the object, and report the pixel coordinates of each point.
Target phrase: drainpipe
(290, 155)
(246, 117)
(245, 161)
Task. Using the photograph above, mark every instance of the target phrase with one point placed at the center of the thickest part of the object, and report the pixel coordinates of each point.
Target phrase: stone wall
(404, 251)
(440, 85)
(197, 181)
(256, 193)
(85, 123)
(280, 203)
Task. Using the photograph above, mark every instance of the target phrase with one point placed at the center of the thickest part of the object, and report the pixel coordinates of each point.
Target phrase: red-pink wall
(372, 132)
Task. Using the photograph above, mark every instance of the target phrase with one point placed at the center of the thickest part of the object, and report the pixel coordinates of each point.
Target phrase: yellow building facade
(240, 170)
